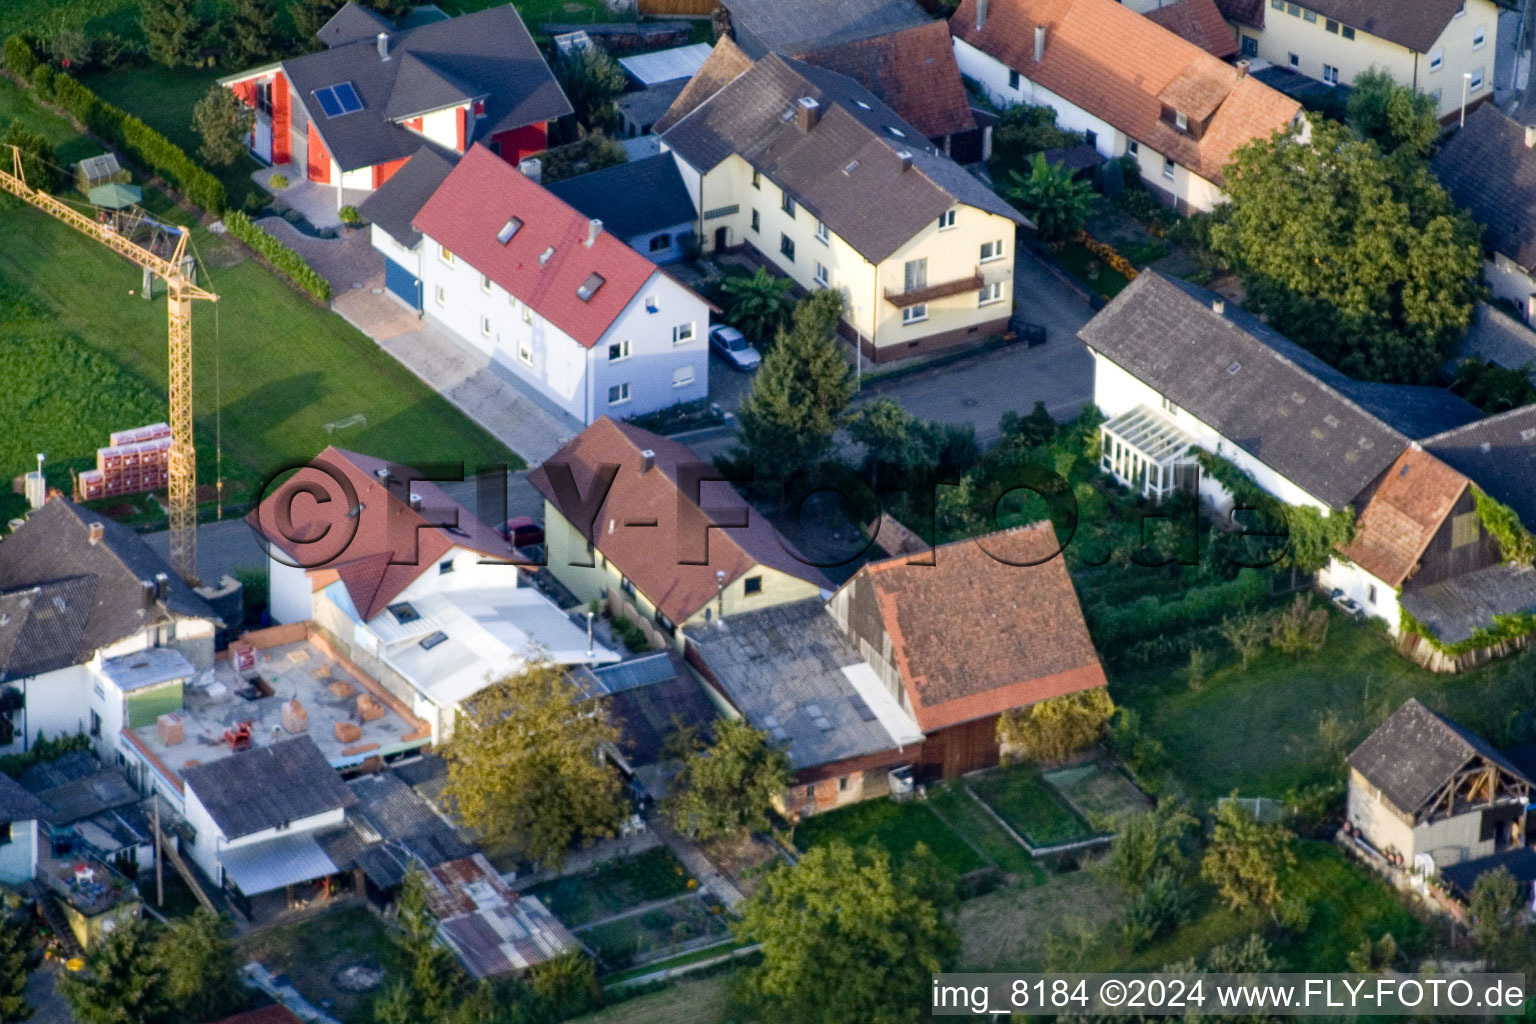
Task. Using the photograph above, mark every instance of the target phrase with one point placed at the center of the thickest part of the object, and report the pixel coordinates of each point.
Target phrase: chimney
(96, 531)
(162, 586)
(1039, 43)
(1219, 305)
(1242, 68)
(906, 160)
(1530, 136)
(415, 501)
(532, 168)
(383, 41)
(807, 113)
(148, 588)
(594, 228)
(382, 473)
(981, 14)
(647, 460)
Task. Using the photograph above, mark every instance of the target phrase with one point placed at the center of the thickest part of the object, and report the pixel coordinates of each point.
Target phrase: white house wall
(56, 705)
(209, 842)
(649, 369)
(385, 243)
(289, 595)
(18, 858)
(1510, 281)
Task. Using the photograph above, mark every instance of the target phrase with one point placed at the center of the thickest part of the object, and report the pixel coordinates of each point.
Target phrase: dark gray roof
(1415, 24)
(1460, 606)
(782, 668)
(265, 787)
(793, 27)
(1257, 388)
(62, 597)
(1520, 862)
(77, 764)
(633, 198)
(394, 204)
(16, 804)
(1488, 169)
(353, 23)
(1418, 412)
(649, 711)
(845, 171)
(427, 775)
(390, 826)
(1415, 752)
(103, 790)
(1499, 455)
(645, 106)
(486, 54)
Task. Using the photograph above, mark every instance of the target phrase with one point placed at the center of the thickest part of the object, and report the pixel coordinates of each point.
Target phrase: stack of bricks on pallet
(136, 460)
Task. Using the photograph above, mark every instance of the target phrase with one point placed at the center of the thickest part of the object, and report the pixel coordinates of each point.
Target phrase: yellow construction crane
(181, 293)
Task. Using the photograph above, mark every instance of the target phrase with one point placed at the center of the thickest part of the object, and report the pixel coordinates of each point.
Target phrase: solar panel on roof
(347, 96)
(328, 102)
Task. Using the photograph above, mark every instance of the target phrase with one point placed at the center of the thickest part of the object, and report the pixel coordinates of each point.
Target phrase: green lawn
(898, 827)
(1075, 258)
(972, 822)
(701, 1001)
(613, 887)
(312, 951)
(1030, 806)
(1289, 721)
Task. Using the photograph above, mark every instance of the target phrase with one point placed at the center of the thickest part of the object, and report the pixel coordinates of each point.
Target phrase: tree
(892, 438)
(592, 80)
(15, 944)
(173, 30)
(1247, 634)
(250, 32)
(1247, 860)
(1021, 131)
(845, 938)
(197, 956)
(727, 787)
(223, 120)
(427, 992)
(1494, 907)
(1055, 729)
(567, 986)
(526, 764)
(1395, 117)
(786, 422)
(593, 152)
(38, 161)
(759, 306)
(1147, 843)
(1053, 198)
(310, 16)
(123, 982)
(1313, 536)
(1360, 258)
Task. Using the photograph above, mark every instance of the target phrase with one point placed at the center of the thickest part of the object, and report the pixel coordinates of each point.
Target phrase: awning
(287, 860)
(1157, 438)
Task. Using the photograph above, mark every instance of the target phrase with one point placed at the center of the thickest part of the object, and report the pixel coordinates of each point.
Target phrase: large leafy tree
(1395, 117)
(1055, 729)
(894, 440)
(1053, 198)
(250, 32)
(38, 161)
(1247, 860)
(1494, 907)
(526, 764)
(760, 305)
(173, 31)
(847, 938)
(123, 982)
(1147, 843)
(427, 992)
(726, 787)
(15, 944)
(197, 955)
(223, 121)
(1361, 258)
(799, 396)
(592, 80)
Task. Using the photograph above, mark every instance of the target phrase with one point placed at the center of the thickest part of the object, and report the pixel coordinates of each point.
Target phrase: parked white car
(734, 347)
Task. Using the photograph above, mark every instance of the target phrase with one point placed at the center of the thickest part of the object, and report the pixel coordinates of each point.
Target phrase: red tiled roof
(972, 635)
(385, 546)
(1199, 22)
(652, 556)
(1119, 66)
(913, 71)
(476, 201)
(1403, 516)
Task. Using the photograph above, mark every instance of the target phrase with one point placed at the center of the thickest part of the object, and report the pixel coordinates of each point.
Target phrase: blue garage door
(402, 283)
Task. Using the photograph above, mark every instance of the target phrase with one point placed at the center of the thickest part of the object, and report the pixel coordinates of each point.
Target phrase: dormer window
(1180, 121)
(589, 287)
(510, 228)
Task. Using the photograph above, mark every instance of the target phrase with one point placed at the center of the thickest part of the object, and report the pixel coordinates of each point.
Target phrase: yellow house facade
(952, 281)
(1313, 40)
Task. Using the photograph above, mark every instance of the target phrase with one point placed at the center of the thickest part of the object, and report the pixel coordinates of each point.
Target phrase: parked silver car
(734, 347)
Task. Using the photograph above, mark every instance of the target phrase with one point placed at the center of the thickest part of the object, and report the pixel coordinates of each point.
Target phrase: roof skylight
(589, 287)
(508, 229)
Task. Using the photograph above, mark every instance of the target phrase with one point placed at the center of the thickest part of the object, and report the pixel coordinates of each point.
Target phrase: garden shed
(99, 170)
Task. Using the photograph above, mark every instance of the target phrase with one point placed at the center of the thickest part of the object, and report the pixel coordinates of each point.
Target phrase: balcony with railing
(918, 291)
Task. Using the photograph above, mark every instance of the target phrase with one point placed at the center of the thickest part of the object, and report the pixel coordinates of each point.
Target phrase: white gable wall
(18, 857)
(209, 842)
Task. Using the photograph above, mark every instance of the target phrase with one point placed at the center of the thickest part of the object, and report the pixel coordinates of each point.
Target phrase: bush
(283, 259)
(632, 635)
(349, 215)
(278, 182)
(18, 58)
(1300, 629)
(42, 81)
(1153, 615)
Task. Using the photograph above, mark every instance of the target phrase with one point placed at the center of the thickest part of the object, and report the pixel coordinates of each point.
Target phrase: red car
(522, 532)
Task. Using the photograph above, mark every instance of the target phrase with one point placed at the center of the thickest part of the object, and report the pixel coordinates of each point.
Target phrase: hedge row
(285, 260)
(1151, 616)
(120, 128)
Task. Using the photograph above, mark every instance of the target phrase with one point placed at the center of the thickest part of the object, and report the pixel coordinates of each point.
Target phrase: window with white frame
(1348, 33)
(822, 234)
(757, 178)
(915, 274)
(787, 247)
(527, 313)
(618, 394)
(1462, 9)
(990, 293)
(757, 223)
(525, 352)
(991, 251)
(441, 296)
(1436, 58)
(485, 284)
(1168, 166)
(1133, 147)
(682, 333)
(1013, 79)
(1309, 16)
(1181, 120)
(1331, 26)
(1330, 74)
(682, 376)
(1295, 60)
(787, 203)
(1476, 81)
(915, 314)
(618, 350)
(946, 220)
(444, 255)
(485, 326)
(1479, 37)
(821, 276)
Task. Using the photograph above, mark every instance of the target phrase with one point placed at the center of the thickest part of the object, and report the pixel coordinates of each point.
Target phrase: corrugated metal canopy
(287, 860)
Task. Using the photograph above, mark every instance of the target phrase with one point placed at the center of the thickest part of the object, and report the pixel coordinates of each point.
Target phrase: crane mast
(180, 294)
